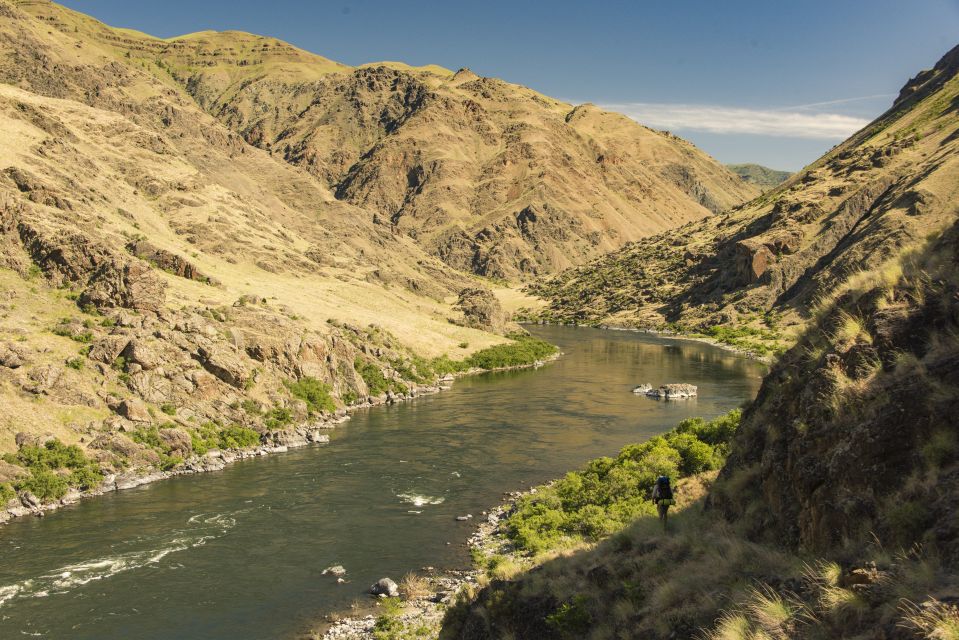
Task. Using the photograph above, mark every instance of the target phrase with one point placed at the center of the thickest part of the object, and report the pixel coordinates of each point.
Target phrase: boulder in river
(673, 391)
(335, 570)
(385, 588)
(643, 388)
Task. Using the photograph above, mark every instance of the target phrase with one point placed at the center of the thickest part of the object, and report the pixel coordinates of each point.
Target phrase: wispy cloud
(792, 122)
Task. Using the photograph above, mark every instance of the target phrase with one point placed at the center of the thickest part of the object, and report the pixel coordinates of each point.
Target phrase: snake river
(240, 553)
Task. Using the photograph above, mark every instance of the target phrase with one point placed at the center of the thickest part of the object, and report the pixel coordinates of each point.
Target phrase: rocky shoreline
(216, 460)
(425, 610)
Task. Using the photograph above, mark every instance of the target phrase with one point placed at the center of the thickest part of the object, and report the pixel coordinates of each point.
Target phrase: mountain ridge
(490, 177)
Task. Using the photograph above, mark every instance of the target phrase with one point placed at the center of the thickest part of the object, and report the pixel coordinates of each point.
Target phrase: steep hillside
(168, 288)
(491, 177)
(763, 177)
(834, 515)
(887, 187)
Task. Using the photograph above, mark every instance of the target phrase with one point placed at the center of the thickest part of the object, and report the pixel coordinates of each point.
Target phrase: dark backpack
(665, 491)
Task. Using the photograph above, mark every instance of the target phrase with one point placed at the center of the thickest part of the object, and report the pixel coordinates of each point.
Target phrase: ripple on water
(204, 527)
(419, 500)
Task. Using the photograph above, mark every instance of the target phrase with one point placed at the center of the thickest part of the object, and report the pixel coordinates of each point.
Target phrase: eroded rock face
(167, 261)
(752, 260)
(131, 285)
(226, 365)
(13, 356)
(482, 310)
(110, 280)
(823, 455)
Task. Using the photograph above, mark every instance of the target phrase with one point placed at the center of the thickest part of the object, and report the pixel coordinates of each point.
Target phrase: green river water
(239, 554)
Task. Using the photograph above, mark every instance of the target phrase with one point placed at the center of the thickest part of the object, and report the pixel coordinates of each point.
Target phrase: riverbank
(746, 353)
(217, 459)
(420, 614)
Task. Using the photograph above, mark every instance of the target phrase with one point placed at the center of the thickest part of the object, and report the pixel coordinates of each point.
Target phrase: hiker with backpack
(663, 497)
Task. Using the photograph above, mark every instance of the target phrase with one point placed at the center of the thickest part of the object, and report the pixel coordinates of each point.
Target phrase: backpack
(665, 491)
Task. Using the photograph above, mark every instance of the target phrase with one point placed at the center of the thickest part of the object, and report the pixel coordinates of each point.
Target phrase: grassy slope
(763, 177)
(860, 204)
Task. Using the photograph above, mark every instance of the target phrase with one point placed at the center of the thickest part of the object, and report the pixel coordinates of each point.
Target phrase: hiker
(663, 497)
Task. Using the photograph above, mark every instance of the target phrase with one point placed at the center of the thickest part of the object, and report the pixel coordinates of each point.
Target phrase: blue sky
(772, 82)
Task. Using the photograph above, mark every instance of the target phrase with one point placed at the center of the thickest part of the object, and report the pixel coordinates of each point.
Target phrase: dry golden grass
(414, 586)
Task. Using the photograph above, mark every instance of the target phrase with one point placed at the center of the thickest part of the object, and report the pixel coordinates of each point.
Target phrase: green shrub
(75, 363)
(941, 447)
(316, 394)
(373, 376)
(277, 418)
(45, 484)
(609, 493)
(251, 407)
(907, 520)
(65, 331)
(54, 468)
(168, 408)
(210, 435)
(523, 350)
(236, 437)
(6, 493)
(204, 437)
(572, 620)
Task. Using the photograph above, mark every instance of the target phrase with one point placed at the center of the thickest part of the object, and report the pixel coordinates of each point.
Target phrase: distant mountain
(763, 177)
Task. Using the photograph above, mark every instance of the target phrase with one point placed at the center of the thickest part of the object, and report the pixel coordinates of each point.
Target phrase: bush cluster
(747, 338)
(523, 350)
(54, 468)
(210, 435)
(609, 493)
(315, 393)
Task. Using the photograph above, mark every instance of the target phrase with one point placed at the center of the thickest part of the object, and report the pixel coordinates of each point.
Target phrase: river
(239, 554)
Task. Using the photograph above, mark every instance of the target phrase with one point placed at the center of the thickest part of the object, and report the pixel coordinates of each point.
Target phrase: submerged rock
(335, 570)
(643, 388)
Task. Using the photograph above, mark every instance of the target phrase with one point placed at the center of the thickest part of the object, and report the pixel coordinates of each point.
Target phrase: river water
(239, 554)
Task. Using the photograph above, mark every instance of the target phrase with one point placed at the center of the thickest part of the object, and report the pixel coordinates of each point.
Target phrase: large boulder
(752, 260)
(226, 365)
(386, 588)
(109, 348)
(139, 352)
(673, 391)
(135, 410)
(177, 440)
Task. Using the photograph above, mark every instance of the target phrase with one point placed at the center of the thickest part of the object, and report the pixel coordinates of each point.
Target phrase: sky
(772, 82)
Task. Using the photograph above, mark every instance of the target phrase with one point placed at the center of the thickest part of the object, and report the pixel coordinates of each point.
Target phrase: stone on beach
(385, 588)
